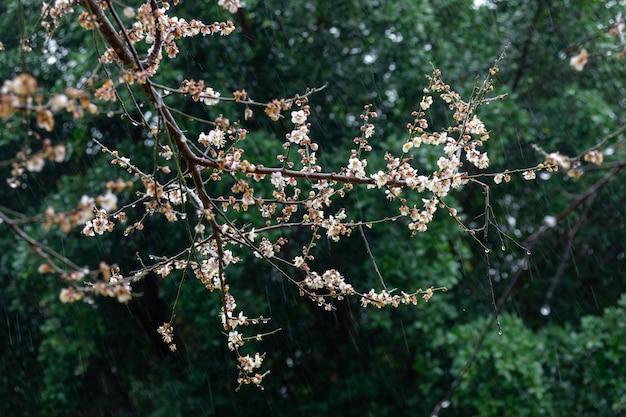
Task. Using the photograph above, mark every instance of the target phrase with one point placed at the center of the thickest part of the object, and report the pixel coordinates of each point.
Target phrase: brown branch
(320, 176)
(108, 31)
(44, 252)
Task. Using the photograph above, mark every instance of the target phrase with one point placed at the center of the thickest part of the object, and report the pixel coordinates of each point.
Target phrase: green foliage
(556, 371)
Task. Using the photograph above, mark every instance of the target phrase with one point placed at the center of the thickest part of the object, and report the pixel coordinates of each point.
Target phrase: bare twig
(530, 244)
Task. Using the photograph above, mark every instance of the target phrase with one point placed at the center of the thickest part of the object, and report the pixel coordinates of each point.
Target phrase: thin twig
(530, 244)
(369, 252)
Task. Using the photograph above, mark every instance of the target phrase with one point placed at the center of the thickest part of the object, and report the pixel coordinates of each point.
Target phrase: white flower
(216, 138)
(35, 164)
(476, 127)
(298, 117)
(380, 178)
(107, 201)
(369, 130)
(59, 153)
(129, 12)
(594, 157)
(556, 158)
(234, 339)
(210, 97)
(266, 248)
(298, 135)
(230, 5)
(122, 292)
(69, 295)
(99, 224)
(479, 160)
(356, 167)
(123, 161)
(176, 196)
(443, 163)
(58, 102)
(277, 180)
(529, 175)
(393, 193)
(578, 61)
(298, 261)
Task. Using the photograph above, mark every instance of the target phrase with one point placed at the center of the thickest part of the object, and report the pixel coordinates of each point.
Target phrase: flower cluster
(167, 333)
(20, 95)
(99, 224)
(113, 285)
(331, 280)
(207, 180)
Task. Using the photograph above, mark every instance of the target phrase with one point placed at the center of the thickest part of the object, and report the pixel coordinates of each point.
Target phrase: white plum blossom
(579, 61)
(529, 175)
(230, 5)
(59, 102)
(278, 181)
(476, 127)
(249, 364)
(215, 138)
(557, 158)
(298, 261)
(99, 224)
(235, 339)
(380, 178)
(35, 163)
(298, 135)
(298, 117)
(356, 167)
(266, 249)
(479, 160)
(426, 102)
(210, 97)
(108, 201)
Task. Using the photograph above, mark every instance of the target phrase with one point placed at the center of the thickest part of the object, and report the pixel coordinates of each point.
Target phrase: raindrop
(503, 248)
(528, 253)
(545, 310)
(445, 404)
(562, 55)
(499, 332)
(487, 250)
